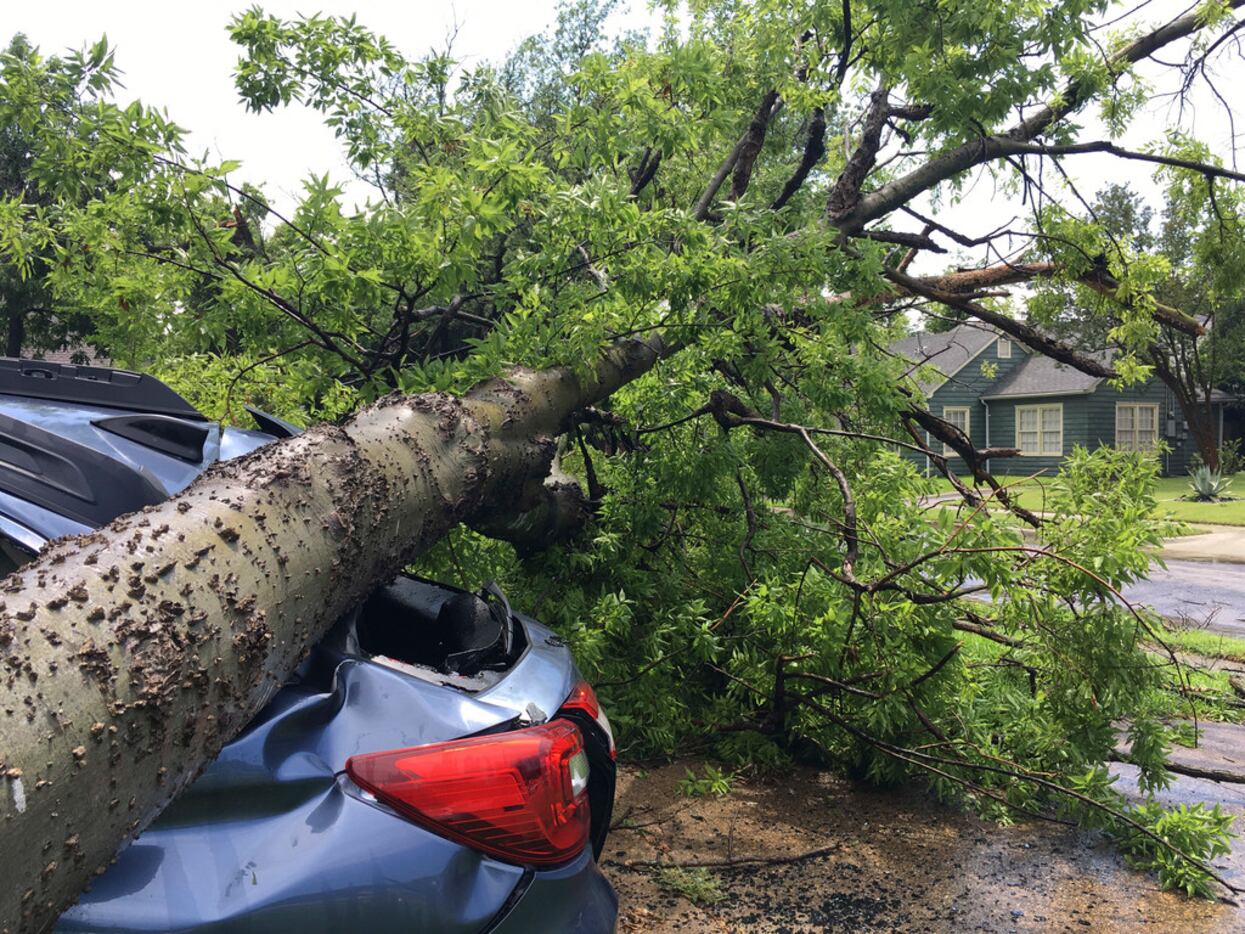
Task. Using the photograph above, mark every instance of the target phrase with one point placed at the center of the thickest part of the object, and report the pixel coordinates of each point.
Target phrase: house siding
(1076, 430)
(965, 389)
(1179, 443)
(1089, 420)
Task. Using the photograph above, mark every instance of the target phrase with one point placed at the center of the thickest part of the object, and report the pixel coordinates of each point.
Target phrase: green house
(1004, 395)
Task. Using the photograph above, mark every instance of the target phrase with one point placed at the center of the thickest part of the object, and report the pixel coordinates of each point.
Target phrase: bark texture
(132, 654)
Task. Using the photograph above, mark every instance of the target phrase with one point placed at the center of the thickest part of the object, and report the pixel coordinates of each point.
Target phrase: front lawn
(1229, 512)
(1169, 491)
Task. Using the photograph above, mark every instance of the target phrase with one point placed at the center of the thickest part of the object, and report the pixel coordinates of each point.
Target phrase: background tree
(1193, 258)
(63, 146)
(689, 259)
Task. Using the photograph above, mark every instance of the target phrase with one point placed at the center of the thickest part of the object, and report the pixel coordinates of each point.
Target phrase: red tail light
(583, 697)
(520, 796)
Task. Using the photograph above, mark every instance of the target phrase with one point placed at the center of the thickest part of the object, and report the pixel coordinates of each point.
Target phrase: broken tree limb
(132, 654)
(552, 512)
(737, 863)
(968, 281)
(1026, 333)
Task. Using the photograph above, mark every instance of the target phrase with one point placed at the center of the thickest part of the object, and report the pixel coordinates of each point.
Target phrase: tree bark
(1205, 431)
(1193, 397)
(132, 654)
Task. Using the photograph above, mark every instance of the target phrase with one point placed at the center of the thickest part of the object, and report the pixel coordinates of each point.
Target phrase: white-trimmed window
(1136, 425)
(1039, 430)
(961, 417)
(1004, 348)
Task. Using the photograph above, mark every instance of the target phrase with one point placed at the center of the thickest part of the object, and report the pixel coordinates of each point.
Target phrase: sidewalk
(1218, 543)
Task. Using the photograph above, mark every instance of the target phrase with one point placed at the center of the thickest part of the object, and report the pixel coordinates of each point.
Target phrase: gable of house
(953, 369)
(935, 357)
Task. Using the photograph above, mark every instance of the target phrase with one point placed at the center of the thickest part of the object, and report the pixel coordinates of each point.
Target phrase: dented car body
(446, 687)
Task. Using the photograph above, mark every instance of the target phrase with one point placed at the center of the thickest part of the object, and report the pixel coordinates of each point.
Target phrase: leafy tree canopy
(1190, 259)
(63, 146)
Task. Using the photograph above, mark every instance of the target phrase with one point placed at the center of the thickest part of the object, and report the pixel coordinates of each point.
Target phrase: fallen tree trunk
(132, 654)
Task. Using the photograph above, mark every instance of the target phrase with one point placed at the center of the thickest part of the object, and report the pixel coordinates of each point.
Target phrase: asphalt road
(1210, 593)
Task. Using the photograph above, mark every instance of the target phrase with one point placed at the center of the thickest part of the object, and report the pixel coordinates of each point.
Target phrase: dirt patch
(899, 862)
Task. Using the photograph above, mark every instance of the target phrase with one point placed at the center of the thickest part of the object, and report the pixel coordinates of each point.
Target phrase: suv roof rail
(92, 385)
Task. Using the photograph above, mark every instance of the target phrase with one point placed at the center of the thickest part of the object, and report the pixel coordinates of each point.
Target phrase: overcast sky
(178, 56)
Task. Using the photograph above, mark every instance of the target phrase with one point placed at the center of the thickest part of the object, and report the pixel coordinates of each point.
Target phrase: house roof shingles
(947, 352)
(1039, 375)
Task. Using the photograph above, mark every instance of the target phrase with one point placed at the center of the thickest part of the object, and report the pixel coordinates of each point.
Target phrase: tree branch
(644, 174)
(768, 104)
(1105, 146)
(751, 143)
(851, 216)
(967, 281)
(1056, 350)
(814, 150)
(846, 191)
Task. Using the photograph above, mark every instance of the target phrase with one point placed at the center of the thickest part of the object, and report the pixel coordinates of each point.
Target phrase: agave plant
(1208, 485)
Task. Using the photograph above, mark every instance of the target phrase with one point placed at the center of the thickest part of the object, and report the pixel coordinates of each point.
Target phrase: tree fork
(133, 653)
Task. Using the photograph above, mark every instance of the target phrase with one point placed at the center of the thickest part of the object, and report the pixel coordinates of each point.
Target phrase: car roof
(81, 445)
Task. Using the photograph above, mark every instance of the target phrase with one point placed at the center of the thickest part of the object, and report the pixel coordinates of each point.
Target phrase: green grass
(1212, 697)
(1169, 491)
(1208, 644)
(1230, 512)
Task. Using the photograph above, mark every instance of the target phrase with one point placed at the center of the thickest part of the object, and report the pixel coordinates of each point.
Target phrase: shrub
(1231, 458)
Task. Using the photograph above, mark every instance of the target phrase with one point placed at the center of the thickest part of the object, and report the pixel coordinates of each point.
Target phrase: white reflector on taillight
(579, 773)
